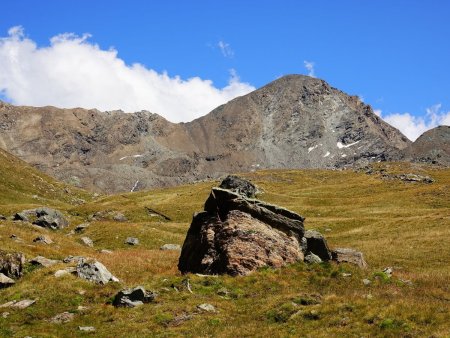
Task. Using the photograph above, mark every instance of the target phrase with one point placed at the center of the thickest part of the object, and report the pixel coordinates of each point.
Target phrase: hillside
(433, 146)
(398, 224)
(293, 122)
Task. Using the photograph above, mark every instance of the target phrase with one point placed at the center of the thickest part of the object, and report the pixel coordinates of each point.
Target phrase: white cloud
(310, 68)
(225, 48)
(73, 72)
(413, 126)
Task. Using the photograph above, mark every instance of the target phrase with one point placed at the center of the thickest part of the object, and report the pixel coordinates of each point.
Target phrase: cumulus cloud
(414, 126)
(73, 72)
(310, 68)
(225, 48)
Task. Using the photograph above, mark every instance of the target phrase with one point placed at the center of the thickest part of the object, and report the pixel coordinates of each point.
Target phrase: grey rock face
(11, 264)
(239, 185)
(44, 217)
(346, 255)
(94, 271)
(5, 281)
(133, 297)
(236, 235)
(316, 244)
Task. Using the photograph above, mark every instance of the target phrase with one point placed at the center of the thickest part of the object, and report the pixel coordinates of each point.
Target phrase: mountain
(433, 146)
(293, 122)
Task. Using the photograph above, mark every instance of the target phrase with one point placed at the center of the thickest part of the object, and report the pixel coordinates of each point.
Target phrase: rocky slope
(433, 146)
(293, 122)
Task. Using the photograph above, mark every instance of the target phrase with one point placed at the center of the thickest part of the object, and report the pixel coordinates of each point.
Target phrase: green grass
(398, 224)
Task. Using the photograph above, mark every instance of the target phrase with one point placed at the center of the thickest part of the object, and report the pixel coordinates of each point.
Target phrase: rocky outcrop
(44, 217)
(239, 185)
(133, 297)
(236, 235)
(293, 122)
(11, 264)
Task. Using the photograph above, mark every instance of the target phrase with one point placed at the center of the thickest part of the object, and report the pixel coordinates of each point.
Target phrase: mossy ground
(394, 223)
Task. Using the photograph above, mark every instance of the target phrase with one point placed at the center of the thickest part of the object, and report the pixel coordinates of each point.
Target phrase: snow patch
(312, 148)
(134, 156)
(340, 145)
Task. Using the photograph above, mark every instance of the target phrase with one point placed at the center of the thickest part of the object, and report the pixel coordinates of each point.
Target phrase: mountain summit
(294, 122)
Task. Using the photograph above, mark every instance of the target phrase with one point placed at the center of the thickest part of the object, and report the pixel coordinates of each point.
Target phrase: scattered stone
(170, 247)
(178, 320)
(2, 218)
(74, 259)
(61, 273)
(86, 328)
(223, 292)
(133, 297)
(82, 308)
(132, 241)
(316, 244)
(406, 281)
(94, 271)
(23, 304)
(206, 307)
(312, 259)
(236, 235)
(346, 255)
(8, 304)
(5, 281)
(345, 274)
(105, 251)
(388, 272)
(43, 217)
(119, 217)
(45, 262)
(415, 178)
(61, 318)
(366, 281)
(11, 264)
(5, 314)
(87, 241)
(239, 186)
(81, 227)
(43, 239)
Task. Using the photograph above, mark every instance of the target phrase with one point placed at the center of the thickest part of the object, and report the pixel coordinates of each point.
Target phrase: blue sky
(394, 54)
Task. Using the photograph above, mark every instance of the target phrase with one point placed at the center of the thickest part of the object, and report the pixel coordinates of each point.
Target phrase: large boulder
(11, 264)
(239, 185)
(236, 235)
(346, 255)
(44, 217)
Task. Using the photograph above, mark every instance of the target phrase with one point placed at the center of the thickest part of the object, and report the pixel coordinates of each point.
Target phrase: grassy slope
(397, 224)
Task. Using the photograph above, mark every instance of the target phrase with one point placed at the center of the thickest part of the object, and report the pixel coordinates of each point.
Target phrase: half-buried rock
(94, 271)
(236, 235)
(133, 297)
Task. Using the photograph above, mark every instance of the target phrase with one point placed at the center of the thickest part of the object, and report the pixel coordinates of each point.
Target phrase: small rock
(87, 241)
(5, 281)
(23, 304)
(61, 273)
(346, 255)
(345, 274)
(223, 292)
(81, 227)
(74, 259)
(94, 271)
(43, 239)
(312, 259)
(5, 314)
(86, 328)
(105, 251)
(388, 271)
(366, 281)
(206, 307)
(170, 247)
(82, 308)
(45, 262)
(11, 264)
(64, 317)
(133, 297)
(132, 241)
(119, 217)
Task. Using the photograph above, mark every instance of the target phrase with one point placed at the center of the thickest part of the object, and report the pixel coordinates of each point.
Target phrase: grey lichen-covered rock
(316, 244)
(119, 217)
(42, 261)
(44, 217)
(312, 259)
(236, 235)
(5, 281)
(170, 247)
(12, 263)
(94, 271)
(133, 297)
(64, 317)
(44, 239)
(206, 307)
(87, 241)
(239, 185)
(132, 241)
(346, 255)
(74, 259)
